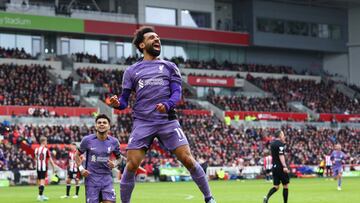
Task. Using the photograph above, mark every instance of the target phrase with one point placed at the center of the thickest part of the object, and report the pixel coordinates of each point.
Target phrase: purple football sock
(127, 185)
(199, 177)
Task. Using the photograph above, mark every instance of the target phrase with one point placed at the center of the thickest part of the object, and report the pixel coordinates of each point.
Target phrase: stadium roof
(323, 3)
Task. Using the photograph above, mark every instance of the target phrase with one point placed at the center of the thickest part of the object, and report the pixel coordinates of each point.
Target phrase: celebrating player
(97, 171)
(157, 84)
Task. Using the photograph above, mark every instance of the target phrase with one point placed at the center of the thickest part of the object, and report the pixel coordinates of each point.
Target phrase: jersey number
(180, 134)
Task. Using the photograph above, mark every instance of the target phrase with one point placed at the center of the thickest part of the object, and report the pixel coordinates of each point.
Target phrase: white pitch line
(189, 197)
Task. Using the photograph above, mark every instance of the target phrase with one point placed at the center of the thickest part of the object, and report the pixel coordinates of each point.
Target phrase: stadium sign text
(14, 21)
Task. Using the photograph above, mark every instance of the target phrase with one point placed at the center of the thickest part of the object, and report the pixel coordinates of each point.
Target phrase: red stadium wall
(211, 81)
(325, 117)
(268, 115)
(170, 33)
(340, 117)
(61, 111)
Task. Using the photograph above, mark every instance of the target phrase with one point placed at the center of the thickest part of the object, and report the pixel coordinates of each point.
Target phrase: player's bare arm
(79, 161)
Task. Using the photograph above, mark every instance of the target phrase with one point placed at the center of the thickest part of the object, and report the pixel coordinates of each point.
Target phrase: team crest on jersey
(161, 67)
(93, 158)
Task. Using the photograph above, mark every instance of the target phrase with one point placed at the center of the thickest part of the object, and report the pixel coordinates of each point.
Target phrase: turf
(250, 191)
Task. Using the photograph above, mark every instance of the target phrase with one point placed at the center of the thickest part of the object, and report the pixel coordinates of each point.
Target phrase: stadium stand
(15, 53)
(235, 103)
(321, 97)
(211, 139)
(31, 85)
(86, 58)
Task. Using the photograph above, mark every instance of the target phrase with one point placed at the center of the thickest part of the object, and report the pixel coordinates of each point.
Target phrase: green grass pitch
(250, 191)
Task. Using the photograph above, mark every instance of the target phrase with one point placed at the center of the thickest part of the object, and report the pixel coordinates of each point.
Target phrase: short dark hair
(139, 36)
(102, 116)
(278, 133)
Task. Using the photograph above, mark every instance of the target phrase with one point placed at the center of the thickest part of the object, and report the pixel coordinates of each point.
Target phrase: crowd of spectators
(209, 139)
(242, 103)
(226, 65)
(14, 53)
(86, 58)
(321, 97)
(31, 85)
(16, 158)
(109, 80)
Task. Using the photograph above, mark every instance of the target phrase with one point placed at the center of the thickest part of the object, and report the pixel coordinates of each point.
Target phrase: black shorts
(280, 176)
(41, 175)
(73, 175)
(268, 171)
(328, 167)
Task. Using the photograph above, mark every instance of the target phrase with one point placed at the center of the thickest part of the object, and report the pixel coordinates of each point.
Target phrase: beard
(153, 52)
(102, 132)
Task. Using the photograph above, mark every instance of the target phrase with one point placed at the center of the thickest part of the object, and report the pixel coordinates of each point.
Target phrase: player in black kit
(279, 169)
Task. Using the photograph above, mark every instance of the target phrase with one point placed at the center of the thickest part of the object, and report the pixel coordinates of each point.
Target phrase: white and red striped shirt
(42, 156)
(268, 162)
(328, 161)
(73, 167)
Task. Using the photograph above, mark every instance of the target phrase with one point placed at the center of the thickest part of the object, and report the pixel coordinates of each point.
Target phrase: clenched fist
(161, 108)
(114, 102)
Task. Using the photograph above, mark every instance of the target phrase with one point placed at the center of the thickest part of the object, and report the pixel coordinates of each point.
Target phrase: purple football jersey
(97, 155)
(338, 157)
(151, 82)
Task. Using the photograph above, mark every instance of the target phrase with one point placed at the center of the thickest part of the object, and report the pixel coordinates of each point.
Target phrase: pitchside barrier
(28, 177)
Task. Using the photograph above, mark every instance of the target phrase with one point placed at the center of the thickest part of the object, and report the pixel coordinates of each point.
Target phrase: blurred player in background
(42, 158)
(328, 165)
(98, 149)
(338, 158)
(267, 165)
(72, 173)
(279, 169)
(157, 84)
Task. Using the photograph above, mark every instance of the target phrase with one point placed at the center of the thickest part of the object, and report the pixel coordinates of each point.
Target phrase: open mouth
(157, 46)
(102, 128)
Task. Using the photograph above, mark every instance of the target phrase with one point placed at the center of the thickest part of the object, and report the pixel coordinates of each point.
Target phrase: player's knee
(276, 187)
(132, 165)
(188, 162)
(286, 186)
